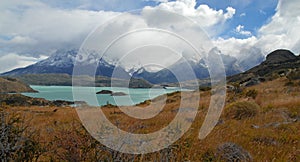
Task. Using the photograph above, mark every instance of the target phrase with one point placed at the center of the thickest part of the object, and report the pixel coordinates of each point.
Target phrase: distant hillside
(12, 85)
(277, 64)
(66, 80)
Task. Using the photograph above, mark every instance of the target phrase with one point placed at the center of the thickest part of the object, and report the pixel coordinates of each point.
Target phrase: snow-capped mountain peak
(60, 58)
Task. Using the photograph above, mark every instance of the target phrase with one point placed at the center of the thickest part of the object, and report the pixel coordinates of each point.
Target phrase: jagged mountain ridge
(62, 62)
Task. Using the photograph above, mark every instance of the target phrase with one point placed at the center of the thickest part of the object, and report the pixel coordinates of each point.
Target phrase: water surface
(88, 94)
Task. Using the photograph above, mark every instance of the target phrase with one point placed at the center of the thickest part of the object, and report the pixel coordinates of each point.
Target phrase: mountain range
(62, 62)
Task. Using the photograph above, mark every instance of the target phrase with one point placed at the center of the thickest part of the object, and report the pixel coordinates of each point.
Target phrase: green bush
(241, 110)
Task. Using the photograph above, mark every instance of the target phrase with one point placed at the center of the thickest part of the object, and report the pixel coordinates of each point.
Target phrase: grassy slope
(12, 85)
(278, 104)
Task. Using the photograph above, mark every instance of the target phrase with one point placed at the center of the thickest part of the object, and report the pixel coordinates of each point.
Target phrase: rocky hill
(280, 56)
(12, 85)
(277, 64)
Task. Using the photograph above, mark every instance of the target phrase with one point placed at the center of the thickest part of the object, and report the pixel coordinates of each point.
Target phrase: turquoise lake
(88, 94)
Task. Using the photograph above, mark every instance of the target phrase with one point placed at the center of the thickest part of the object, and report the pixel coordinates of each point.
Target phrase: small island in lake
(112, 93)
(105, 92)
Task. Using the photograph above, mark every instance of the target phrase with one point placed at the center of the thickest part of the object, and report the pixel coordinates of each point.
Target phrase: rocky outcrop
(279, 63)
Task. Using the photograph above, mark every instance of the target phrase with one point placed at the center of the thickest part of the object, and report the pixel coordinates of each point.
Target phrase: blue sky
(251, 14)
(34, 29)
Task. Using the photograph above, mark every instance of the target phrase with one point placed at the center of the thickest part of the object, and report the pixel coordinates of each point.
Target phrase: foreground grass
(269, 131)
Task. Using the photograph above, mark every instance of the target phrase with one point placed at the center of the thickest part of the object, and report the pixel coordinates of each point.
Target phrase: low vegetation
(259, 123)
(241, 110)
(18, 141)
(232, 152)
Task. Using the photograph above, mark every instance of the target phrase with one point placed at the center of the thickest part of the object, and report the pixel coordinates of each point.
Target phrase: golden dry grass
(273, 134)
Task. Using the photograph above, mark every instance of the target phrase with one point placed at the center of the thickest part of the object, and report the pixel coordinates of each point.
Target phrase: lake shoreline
(87, 94)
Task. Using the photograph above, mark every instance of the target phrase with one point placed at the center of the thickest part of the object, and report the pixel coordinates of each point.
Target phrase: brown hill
(12, 85)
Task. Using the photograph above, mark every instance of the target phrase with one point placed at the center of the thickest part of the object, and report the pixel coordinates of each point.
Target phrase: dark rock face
(251, 82)
(12, 85)
(280, 56)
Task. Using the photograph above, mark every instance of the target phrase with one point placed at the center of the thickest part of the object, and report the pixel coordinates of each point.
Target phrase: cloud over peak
(203, 14)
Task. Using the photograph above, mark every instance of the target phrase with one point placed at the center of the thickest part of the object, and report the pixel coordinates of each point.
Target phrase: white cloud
(282, 32)
(146, 42)
(18, 39)
(283, 29)
(242, 14)
(203, 14)
(211, 20)
(234, 46)
(32, 28)
(240, 30)
(38, 28)
(157, 1)
(12, 61)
